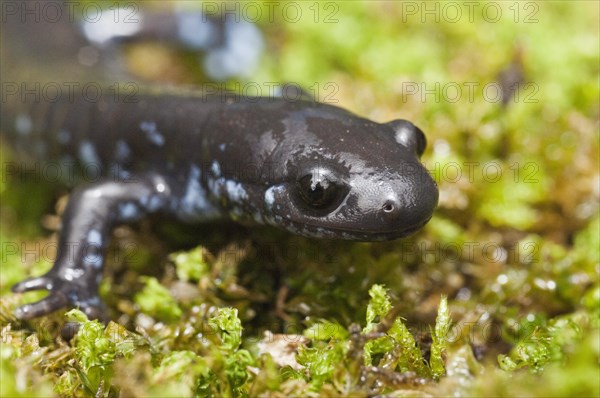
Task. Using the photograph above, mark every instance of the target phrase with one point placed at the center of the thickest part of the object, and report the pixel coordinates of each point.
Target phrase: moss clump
(343, 361)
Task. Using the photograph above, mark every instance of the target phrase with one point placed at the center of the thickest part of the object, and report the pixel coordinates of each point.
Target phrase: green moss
(541, 342)
(156, 301)
(440, 336)
(191, 266)
(181, 370)
(326, 330)
(227, 324)
(378, 307)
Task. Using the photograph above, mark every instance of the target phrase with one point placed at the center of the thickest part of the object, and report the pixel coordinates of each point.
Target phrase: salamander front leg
(87, 224)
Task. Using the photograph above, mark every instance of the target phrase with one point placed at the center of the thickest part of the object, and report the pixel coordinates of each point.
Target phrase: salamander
(309, 168)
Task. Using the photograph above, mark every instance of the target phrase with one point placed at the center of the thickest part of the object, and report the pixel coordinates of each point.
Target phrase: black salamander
(309, 168)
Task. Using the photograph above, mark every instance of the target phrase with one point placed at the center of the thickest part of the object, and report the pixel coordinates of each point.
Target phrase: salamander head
(350, 178)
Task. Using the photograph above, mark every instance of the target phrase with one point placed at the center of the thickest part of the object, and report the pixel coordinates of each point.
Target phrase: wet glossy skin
(204, 158)
(308, 168)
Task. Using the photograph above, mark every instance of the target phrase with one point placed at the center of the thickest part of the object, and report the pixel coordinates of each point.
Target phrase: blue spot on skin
(235, 191)
(216, 169)
(23, 124)
(94, 238)
(94, 260)
(154, 203)
(75, 273)
(122, 151)
(214, 186)
(270, 196)
(119, 172)
(87, 153)
(128, 211)
(153, 135)
(194, 202)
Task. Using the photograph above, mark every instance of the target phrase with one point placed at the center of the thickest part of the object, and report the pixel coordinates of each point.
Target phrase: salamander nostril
(389, 206)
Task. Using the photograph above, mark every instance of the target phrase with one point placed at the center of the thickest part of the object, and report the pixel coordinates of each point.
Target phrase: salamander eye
(319, 191)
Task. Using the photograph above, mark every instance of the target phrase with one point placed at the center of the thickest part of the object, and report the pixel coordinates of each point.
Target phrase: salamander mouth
(412, 230)
(361, 235)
